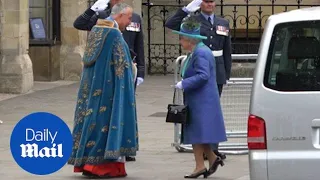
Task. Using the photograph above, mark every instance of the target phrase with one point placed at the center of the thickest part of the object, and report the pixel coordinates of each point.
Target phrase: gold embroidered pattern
(122, 152)
(90, 144)
(119, 62)
(94, 46)
(91, 127)
(76, 145)
(102, 109)
(105, 129)
(94, 42)
(100, 159)
(114, 127)
(81, 110)
(104, 22)
(80, 101)
(129, 141)
(97, 92)
(89, 112)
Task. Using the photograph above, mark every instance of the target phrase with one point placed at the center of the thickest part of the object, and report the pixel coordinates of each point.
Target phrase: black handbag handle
(174, 95)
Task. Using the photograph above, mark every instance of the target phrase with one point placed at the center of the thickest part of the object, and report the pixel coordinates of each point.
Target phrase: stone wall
(73, 40)
(16, 75)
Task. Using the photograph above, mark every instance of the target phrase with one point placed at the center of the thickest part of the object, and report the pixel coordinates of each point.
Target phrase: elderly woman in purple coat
(206, 125)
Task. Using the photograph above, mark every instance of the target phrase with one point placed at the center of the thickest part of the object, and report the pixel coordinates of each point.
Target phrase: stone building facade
(25, 59)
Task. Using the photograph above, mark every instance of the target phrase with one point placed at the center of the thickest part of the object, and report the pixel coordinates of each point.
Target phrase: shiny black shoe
(215, 165)
(128, 158)
(221, 155)
(203, 172)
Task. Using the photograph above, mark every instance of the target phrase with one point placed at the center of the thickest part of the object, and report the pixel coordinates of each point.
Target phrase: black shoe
(106, 176)
(203, 172)
(221, 155)
(87, 174)
(215, 165)
(128, 158)
(94, 176)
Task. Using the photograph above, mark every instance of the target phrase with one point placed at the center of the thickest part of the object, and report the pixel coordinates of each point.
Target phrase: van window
(293, 62)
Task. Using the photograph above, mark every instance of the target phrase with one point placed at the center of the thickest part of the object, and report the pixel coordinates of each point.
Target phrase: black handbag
(177, 113)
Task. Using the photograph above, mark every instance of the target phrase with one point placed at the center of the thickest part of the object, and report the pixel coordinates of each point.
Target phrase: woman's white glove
(100, 5)
(179, 85)
(194, 5)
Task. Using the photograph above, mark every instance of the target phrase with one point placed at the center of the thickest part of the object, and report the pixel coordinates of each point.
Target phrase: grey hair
(119, 8)
(192, 40)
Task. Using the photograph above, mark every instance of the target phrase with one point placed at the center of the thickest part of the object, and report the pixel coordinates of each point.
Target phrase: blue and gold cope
(105, 123)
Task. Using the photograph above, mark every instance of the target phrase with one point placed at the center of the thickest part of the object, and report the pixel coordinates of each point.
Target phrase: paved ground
(156, 158)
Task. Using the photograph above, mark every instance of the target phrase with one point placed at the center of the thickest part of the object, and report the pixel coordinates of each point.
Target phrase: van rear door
(289, 101)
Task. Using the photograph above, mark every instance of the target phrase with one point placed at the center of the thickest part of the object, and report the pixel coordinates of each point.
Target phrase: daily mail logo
(41, 143)
(32, 150)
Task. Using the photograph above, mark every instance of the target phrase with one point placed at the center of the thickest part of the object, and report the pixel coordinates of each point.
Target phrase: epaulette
(105, 22)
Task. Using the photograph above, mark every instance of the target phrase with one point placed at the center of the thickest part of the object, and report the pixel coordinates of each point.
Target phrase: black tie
(209, 19)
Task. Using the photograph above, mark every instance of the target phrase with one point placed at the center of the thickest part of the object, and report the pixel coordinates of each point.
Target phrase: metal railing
(235, 102)
(246, 19)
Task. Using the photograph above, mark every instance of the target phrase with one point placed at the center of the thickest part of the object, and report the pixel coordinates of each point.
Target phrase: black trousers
(215, 147)
(220, 87)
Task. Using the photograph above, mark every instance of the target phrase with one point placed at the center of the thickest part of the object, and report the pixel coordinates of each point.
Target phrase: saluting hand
(100, 5)
(194, 5)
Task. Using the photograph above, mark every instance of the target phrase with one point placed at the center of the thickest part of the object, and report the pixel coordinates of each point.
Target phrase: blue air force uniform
(218, 40)
(133, 34)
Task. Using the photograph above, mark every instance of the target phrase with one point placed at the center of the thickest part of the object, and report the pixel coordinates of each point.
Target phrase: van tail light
(256, 133)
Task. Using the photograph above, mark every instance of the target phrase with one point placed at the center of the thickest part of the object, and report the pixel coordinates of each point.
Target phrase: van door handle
(315, 123)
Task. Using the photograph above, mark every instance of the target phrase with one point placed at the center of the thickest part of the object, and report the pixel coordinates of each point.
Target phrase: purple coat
(201, 95)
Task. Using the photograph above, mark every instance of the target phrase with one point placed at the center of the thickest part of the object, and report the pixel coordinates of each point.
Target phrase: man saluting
(133, 33)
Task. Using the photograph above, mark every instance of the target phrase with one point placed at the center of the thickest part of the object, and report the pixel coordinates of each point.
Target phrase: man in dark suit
(218, 39)
(133, 34)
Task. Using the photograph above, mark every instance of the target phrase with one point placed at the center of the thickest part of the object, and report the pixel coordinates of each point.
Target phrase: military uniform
(218, 40)
(133, 34)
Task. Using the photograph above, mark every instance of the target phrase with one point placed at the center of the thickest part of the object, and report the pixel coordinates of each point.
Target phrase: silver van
(284, 120)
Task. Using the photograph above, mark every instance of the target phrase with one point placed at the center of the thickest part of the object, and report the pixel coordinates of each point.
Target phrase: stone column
(16, 74)
(135, 4)
(73, 40)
